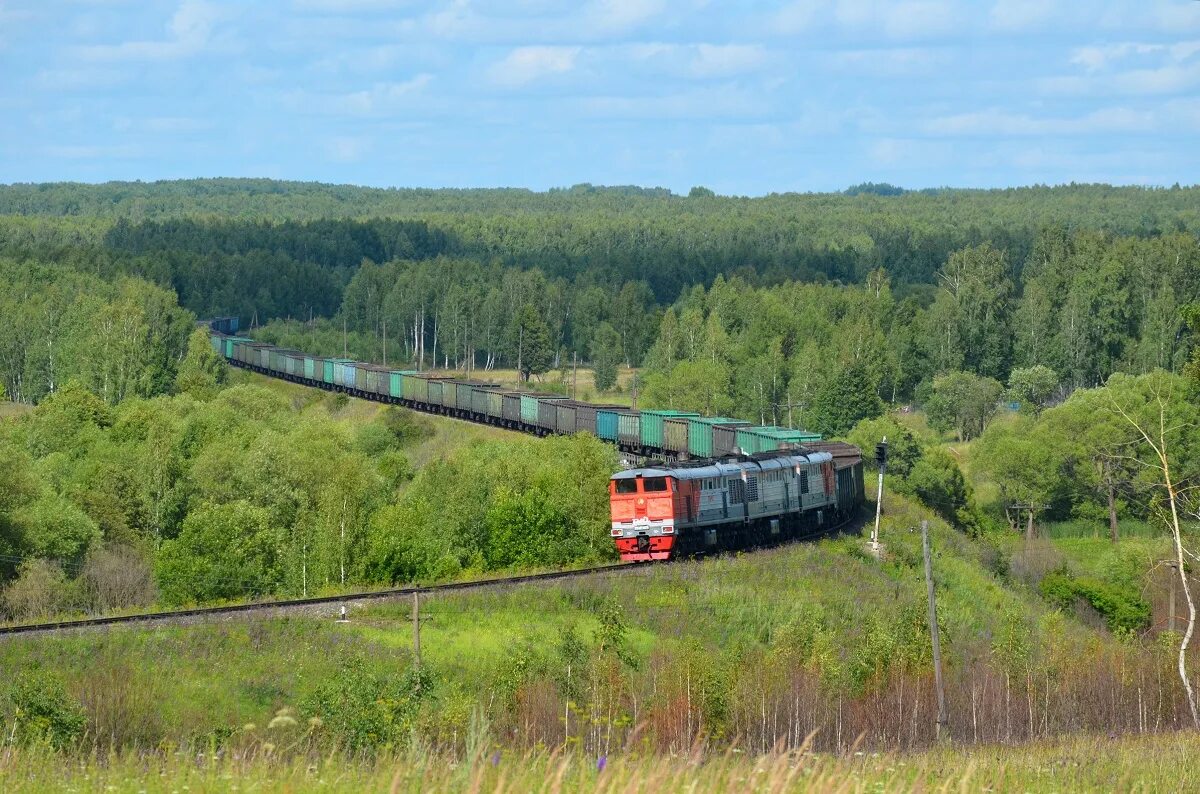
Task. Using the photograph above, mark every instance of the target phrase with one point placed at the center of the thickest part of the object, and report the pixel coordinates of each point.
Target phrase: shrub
(40, 710)
(1122, 609)
(117, 576)
(363, 709)
(40, 590)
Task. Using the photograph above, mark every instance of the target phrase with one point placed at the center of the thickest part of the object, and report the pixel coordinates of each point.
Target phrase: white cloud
(722, 60)
(897, 20)
(380, 97)
(78, 79)
(162, 124)
(1021, 15)
(189, 32)
(524, 65)
(346, 149)
(998, 122)
(708, 104)
(1096, 57)
(622, 15)
(349, 6)
(1173, 79)
(893, 62)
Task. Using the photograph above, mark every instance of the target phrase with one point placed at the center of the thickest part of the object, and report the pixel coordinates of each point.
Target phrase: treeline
(118, 339)
(607, 235)
(825, 357)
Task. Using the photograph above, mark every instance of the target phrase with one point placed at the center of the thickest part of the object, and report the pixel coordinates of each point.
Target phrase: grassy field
(1084, 764)
(9, 410)
(582, 380)
(752, 651)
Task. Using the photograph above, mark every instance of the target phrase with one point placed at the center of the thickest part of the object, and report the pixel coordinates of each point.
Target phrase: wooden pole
(943, 719)
(1171, 603)
(416, 621)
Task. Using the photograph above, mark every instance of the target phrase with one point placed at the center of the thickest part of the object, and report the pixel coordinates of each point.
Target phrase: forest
(829, 312)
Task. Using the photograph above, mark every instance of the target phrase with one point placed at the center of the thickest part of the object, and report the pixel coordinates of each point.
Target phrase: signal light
(881, 452)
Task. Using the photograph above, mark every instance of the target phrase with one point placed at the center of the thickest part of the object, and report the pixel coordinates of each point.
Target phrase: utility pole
(574, 374)
(943, 720)
(344, 348)
(881, 459)
(416, 621)
(385, 343)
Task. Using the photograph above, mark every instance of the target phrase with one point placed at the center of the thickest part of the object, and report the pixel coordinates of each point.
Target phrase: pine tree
(844, 400)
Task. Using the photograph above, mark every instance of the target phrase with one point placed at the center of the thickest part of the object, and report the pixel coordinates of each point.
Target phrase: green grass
(9, 410)
(721, 640)
(1084, 764)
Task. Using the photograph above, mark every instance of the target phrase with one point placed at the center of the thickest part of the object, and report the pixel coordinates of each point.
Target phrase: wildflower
(601, 762)
(249, 727)
(496, 758)
(281, 721)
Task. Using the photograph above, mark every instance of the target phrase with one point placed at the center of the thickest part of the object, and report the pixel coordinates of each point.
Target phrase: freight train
(725, 483)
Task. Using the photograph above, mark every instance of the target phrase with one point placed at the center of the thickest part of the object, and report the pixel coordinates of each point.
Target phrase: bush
(117, 576)
(937, 481)
(41, 590)
(40, 710)
(1122, 609)
(904, 449)
(364, 710)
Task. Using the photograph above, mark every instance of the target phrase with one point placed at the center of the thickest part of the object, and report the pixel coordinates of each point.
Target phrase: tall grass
(1091, 763)
(1128, 528)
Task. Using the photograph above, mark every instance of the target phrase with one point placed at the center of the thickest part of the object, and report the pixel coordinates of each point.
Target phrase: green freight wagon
(331, 369)
(675, 435)
(721, 437)
(652, 426)
(494, 402)
(396, 382)
(511, 407)
(314, 368)
(360, 376)
(464, 399)
(753, 440)
(228, 344)
(531, 407)
(608, 422)
(377, 379)
(547, 412)
(416, 389)
(587, 415)
(629, 428)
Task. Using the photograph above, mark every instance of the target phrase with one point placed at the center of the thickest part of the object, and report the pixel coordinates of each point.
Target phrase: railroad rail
(301, 604)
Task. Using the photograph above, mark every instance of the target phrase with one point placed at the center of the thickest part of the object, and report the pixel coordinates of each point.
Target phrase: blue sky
(743, 97)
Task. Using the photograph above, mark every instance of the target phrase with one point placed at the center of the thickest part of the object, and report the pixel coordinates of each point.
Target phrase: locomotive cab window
(654, 484)
(626, 486)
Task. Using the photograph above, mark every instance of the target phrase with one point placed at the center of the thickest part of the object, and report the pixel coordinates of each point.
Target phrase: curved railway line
(331, 605)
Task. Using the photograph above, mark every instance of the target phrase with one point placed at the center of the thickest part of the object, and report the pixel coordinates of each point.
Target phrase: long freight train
(727, 485)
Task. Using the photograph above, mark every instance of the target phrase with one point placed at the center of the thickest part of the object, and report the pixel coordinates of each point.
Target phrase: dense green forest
(831, 312)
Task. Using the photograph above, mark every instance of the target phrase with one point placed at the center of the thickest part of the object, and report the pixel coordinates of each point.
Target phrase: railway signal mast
(881, 459)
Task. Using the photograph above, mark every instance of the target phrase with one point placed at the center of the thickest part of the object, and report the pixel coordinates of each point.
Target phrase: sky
(744, 98)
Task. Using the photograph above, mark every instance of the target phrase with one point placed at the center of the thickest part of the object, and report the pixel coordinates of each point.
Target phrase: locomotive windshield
(650, 484)
(626, 486)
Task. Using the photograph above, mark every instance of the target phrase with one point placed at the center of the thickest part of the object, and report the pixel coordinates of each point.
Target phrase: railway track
(319, 603)
(177, 616)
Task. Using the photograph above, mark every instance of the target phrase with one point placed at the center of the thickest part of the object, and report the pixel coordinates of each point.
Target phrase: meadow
(1093, 763)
